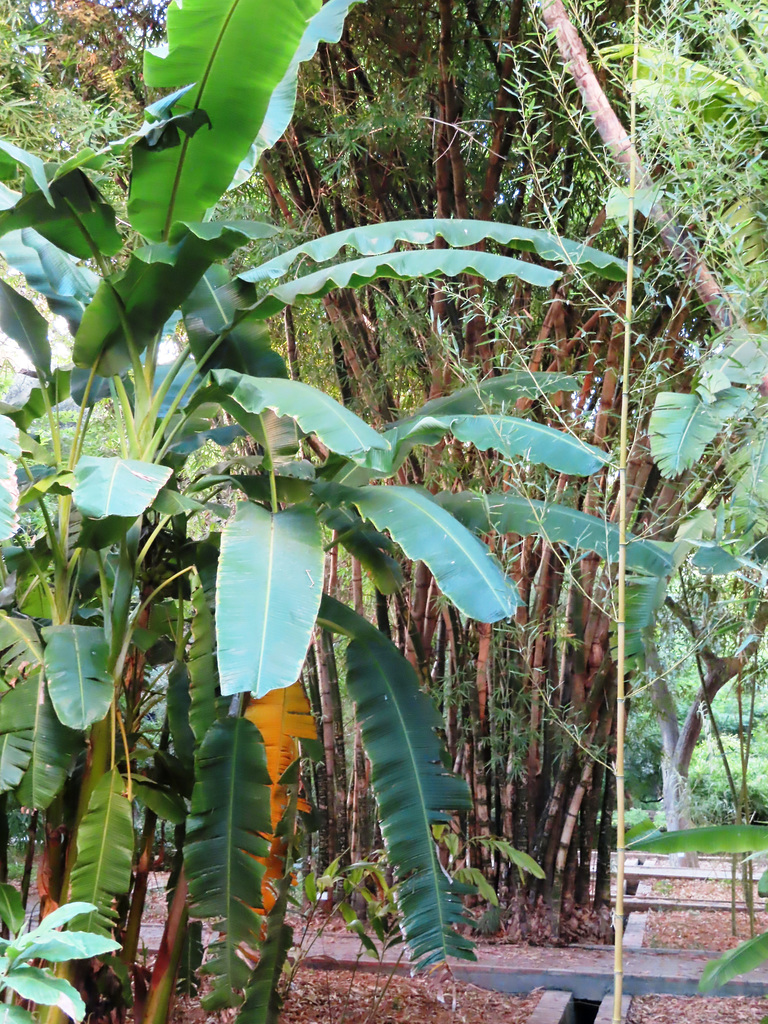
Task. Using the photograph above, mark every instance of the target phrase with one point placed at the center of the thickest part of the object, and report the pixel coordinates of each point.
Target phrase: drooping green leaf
(67, 286)
(209, 313)
(11, 156)
(463, 566)
(44, 988)
(494, 392)
(511, 436)
(187, 980)
(506, 512)
(54, 748)
(158, 279)
(79, 680)
(263, 997)
(377, 239)
(324, 27)
(179, 703)
(681, 426)
(78, 220)
(367, 545)
(313, 410)
(11, 908)
(235, 69)
(116, 487)
(9, 498)
(21, 321)
(712, 839)
(413, 788)
(402, 266)
(59, 947)
(749, 467)
(746, 957)
(270, 582)
(102, 870)
(230, 813)
(203, 673)
(15, 1015)
(167, 804)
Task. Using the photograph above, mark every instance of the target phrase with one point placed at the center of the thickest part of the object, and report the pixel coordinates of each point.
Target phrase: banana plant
(716, 839)
(124, 605)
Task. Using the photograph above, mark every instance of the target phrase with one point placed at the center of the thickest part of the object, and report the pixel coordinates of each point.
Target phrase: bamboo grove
(353, 296)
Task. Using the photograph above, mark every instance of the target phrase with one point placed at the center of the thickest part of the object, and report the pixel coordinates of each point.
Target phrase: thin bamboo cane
(621, 623)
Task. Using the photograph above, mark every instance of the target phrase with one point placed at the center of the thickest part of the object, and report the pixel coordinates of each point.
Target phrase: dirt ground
(674, 1010)
(340, 997)
(698, 929)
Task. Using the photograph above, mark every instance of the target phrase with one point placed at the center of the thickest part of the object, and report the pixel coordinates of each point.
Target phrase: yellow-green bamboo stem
(621, 618)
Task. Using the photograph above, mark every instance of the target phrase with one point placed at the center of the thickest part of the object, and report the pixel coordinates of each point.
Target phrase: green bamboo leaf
(266, 604)
(21, 321)
(506, 512)
(413, 788)
(102, 870)
(117, 487)
(229, 816)
(377, 239)
(746, 957)
(235, 69)
(463, 567)
(79, 680)
(313, 410)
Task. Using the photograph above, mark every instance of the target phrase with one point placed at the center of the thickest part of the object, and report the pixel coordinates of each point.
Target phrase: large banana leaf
(236, 52)
(17, 722)
(102, 870)
(79, 680)
(20, 320)
(263, 998)
(413, 788)
(116, 487)
(377, 239)
(314, 411)
(201, 662)
(225, 842)
(746, 957)
(9, 498)
(368, 546)
(712, 839)
(403, 266)
(505, 512)
(462, 565)
(54, 748)
(283, 717)
(750, 469)
(493, 392)
(138, 301)
(681, 426)
(511, 436)
(78, 220)
(67, 286)
(269, 586)
(324, 27)
(209, 312)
